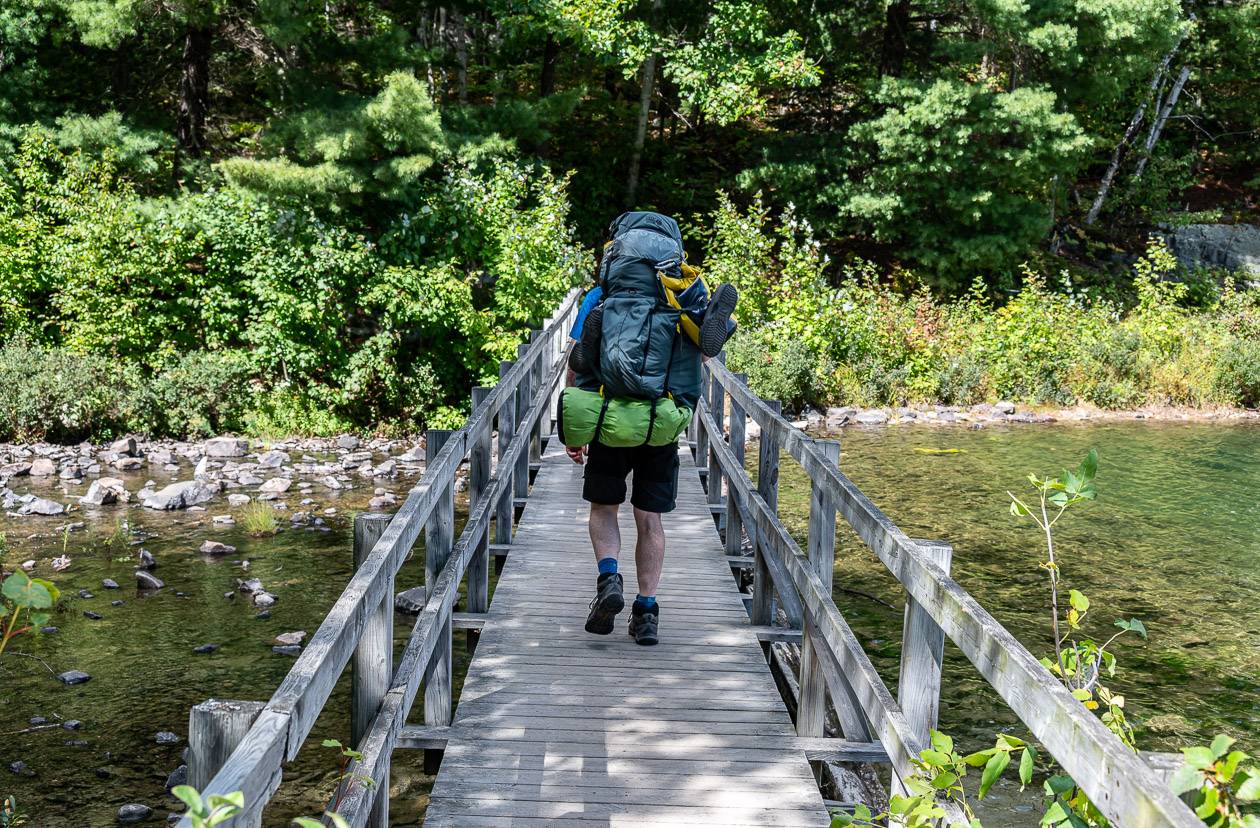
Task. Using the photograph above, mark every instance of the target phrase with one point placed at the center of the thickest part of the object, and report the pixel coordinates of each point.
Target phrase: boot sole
(713, 331)
(602, 619)
(645, 641)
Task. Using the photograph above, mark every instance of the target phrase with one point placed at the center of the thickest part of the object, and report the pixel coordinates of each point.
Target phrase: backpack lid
(643, 220)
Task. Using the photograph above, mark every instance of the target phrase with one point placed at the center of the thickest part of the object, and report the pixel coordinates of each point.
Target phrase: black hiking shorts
(655, 476)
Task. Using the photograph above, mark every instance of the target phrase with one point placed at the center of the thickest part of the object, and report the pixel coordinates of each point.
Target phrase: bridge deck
(556, 724)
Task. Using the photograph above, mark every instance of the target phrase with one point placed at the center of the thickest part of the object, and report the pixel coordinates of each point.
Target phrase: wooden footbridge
(711, 727)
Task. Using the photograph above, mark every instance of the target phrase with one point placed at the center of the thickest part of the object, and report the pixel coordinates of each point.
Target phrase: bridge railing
(243, 746)
(1128, 790)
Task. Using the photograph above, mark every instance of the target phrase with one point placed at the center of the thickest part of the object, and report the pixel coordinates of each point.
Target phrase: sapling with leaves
(26, 604)
(346, 778)
(1225, 782)
(212, 810)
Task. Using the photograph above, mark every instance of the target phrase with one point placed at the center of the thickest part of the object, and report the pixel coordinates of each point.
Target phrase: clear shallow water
(1173, 539)
(145, 675)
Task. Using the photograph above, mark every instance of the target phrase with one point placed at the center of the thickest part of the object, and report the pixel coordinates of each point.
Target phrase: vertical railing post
(768, 488)
(215, 729)
(717, 406)
(373, 663)
(524, 394)
(701, 441)
(536, 433)
(922, 651)
(507, 427)
(737, 422)
(439, 539)
(478, 480)
(812, 708)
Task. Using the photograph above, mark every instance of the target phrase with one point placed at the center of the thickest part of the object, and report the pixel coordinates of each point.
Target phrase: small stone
(177, 496)
(72, 724)
(165, 737)
(262, 616)
(202, 469)
(133, 813)
(273, 459)
(43, 467)
(291, 638)
(117, 603)
(86, 595)
(216, 548)
(73, 677)
(103, 773)
(75, 743)
(17, 768)
(410, 601)
(36, 721)
(146, 560)
(226, 447)
(128, 463)
(264, 600)
(348, 442)
(109, 583)
(178, 777)
(1004, 407)
(873, 417)
(43, 506)
(223, 520)
(124, 447)
(332, 482)
(49, 631)
(237, 499)
(147, 580)
(276, 485)
(205, 648)
(289, 650)
(92, 616)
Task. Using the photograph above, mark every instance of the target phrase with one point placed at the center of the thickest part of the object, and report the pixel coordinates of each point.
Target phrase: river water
(1174, 539)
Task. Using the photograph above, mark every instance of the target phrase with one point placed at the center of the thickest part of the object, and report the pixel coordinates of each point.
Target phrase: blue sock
(607, 566)
(645, 601)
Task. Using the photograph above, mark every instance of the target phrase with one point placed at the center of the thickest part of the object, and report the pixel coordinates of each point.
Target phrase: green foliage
(53, 394)
(22, 596)
(978, 162)
(259, 519)
(10, 816)
(212, 810)
(1225, 782)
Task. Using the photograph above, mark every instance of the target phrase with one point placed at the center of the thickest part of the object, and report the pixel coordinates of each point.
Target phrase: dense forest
(291, 216)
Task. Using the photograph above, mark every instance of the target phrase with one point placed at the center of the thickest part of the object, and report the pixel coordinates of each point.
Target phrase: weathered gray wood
(535, 436)
(373, 660)
(717, 405)
(215, 728)
(737, 421)
(811, 713)
(439, 536)
(503, 514)
(253, 768)
(768, 490)
(922, 653)
(1110, 774)
(524, 397)
(478, 481)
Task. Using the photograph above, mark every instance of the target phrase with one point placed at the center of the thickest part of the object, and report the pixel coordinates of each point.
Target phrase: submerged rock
(178, 777)
(42, 506)
(226, 447)
(178, 496)
(74, 677)
(134, 812)
(147, 580)
(216, 548)
(165, 737)
(205, 648)
(146, 560)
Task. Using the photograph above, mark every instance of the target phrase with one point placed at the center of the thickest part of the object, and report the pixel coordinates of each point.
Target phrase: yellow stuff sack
(621, 422)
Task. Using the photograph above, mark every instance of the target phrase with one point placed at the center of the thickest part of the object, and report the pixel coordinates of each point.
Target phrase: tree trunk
(647, 80)
(892, 55)
(194, 90)
(551, 56)
(460, 33)
(1157, 127)
(1118, 156)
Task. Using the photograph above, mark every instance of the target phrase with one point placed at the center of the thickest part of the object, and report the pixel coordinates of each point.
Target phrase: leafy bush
(778, 369)
(198, 395)
(53, 394)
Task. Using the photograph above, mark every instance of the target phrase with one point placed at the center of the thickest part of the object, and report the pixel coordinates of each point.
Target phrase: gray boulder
(348, 442)
(273, 459)
(43, 467)
(226, 447)
(126, 447)
(1231, 246)
(147, 580)
(104, 491)
(42, 506)
(873, 417)
(74, 677)
(178, 496)
(133, 813)
(212, 547)
(276, 485)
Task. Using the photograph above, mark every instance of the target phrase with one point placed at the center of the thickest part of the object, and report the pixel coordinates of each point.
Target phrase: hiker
(633, 384)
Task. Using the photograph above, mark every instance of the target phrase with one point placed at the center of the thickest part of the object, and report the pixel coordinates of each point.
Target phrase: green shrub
(777, 368)
(198, 395)
(1238, 372)
(53, 394)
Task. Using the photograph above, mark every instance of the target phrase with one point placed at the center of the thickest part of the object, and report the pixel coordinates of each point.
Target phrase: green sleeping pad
(626, 421)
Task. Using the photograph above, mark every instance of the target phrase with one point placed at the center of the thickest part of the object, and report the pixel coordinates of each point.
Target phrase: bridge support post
(734, 523)
(812, 709)
(478, 480)
(372, 665)
(215, 728)
(700, 437)
(524, 394)
(768, 488)
(439, 539)
(503, 509)
(538, 432)
(922, 651)
(717, 406)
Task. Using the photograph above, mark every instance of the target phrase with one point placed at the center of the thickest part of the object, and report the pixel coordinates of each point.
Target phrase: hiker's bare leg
(649, 550)
(605, 533)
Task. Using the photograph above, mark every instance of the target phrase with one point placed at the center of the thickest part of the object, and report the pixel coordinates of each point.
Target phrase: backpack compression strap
(652, 416)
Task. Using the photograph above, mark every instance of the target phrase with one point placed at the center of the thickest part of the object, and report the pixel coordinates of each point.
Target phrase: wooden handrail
(255, 766)
(1119, 783)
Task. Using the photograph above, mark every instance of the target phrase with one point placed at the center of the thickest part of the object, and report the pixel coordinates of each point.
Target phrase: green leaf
(189, 796)
(1249, 791)
(24, 592)
(944, 780)
(236, 799)
(1221, 745)
(333, 743)
(1198, 757)
(1059, 784)
(338, 821)
(1251, 821)
(53, 592)
(307, 822)
(39, 619)
(1078, 600)
(942, 742)
(978, 758)
(1185, 779)
(1211, 798)
(992, 770)
(1229, 767)
(1089, 466)
(1054, 814)
(1026, 766)
(934, 758)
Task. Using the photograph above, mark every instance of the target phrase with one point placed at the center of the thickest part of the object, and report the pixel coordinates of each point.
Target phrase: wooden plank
(373, 661)
(507, 426)
(922, 654)
(646, 814)
(478, 481)
(439, 538)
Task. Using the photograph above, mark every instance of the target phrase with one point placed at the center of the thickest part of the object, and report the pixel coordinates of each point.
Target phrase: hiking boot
(718, 325)
(584, 358)
(643, 624)
(607, 602)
